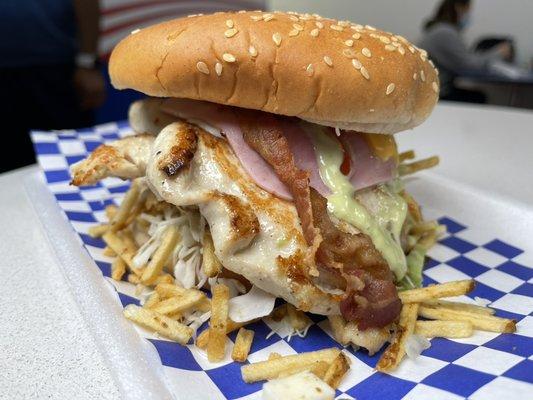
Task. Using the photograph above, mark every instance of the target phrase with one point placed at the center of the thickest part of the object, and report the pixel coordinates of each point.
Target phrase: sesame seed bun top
(330, 72)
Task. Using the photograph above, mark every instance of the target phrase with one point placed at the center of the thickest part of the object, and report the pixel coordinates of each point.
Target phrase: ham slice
(366, 169)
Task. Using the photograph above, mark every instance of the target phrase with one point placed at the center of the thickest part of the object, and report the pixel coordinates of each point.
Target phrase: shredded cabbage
(202, 278)
(284, 326)
(187, 256)
(296, 332)
(195, 319)
(255, 304)
(415, 264)
(185, 273)
(235, 287)
(415, 345)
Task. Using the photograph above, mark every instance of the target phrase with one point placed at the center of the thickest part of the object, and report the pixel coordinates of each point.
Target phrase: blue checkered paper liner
(485, 366)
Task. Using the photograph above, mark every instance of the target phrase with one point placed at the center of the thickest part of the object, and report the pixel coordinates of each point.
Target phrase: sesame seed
(293, 18)
(390, 88)
(276, 37)
(314, 32)
(319, 24)
(402, 39)
(396, 44)
(268, 17)
(349, 43)
(401, 50)
(415, 75)
(423, 57)
(294, 32)
(437, 72)
(370, 28)
(423, 52)
(374, 35)
(390, 47)
(336, 28)
(343, 23)
(298, 27)
(328, 61)
(133, 32)
(202, 67)
(229, 23)
(231, 32)
(253, 51)
(422, 76)
(357, 64)
(411, 49)
(228, 57)
(257, 17)
(365, 73)
(310, 70)
(357, 27)
(241, 12)
(384, 39)
(349, 53)
(431, 63)
(394, 38)
(356, 36)
(218, 68)
(305, 17)
(366, 52)
(435, 87)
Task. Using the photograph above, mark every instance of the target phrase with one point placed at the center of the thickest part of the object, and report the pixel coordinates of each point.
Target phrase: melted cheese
(214, 181)
(383, 146)
(343, 204)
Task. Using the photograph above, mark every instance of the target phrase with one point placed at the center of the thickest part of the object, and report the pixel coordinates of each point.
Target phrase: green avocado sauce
(385, 227)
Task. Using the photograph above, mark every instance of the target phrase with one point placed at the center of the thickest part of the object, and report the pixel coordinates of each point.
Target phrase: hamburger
(276, 129)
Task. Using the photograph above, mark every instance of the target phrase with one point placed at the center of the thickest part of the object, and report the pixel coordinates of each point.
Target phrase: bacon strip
(263, 133)
(371, 299)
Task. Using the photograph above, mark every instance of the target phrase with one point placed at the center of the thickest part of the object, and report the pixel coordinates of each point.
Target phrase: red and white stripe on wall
(120, 17)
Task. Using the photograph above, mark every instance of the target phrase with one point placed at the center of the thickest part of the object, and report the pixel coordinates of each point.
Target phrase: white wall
(490, 17)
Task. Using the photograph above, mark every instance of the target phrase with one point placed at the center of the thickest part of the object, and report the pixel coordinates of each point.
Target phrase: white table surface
(45, 349)
(490, 148)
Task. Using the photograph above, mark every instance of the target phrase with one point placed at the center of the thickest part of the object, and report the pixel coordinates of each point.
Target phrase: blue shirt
(37, 32)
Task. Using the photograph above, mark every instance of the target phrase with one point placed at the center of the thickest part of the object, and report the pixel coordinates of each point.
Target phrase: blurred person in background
(443, 41)
(49, 76)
